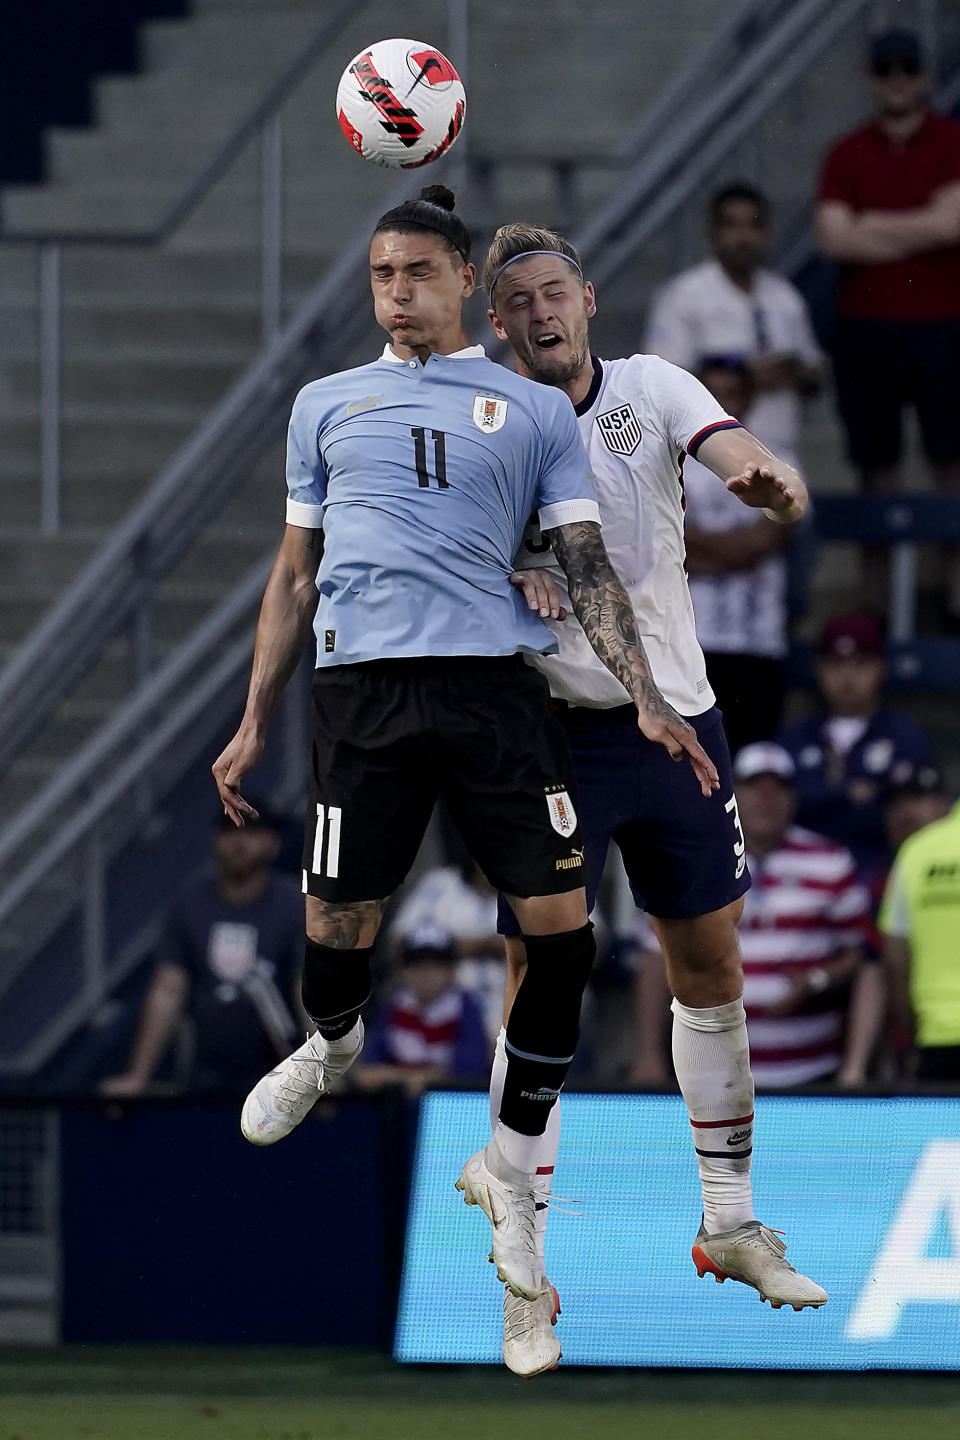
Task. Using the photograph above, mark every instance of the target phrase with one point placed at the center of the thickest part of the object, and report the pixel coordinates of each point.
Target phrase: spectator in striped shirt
(429, 1030)
(815, 1004)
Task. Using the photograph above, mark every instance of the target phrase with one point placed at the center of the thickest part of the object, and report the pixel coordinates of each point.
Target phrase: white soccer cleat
(754, 1255)
(509, 1206)
(530, 1344)
(279, 1101)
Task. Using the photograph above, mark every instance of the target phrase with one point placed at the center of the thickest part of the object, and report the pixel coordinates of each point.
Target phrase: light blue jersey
(423, 478)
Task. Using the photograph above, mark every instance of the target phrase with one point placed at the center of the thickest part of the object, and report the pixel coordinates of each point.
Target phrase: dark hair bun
(439, 195)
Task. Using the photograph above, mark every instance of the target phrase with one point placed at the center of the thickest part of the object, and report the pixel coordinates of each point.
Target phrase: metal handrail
(739, 27)
(659, 185)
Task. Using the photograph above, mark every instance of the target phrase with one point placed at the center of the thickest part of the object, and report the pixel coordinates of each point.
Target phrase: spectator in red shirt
(889, 213)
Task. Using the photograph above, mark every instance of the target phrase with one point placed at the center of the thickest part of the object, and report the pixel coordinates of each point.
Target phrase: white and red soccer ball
(401, 103)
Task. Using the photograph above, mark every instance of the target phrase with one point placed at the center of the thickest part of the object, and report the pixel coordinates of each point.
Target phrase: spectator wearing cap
(889, 212)
(917, 797)
(920, 920)
(847, 752)
(814, 1003)
(732, 304)
(458, 898)
(227, 975)
(738, 581)
(430, 1030)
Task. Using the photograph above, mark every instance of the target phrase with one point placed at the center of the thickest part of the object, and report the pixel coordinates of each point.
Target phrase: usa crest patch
(489, 412)
(620, 429)
(563, 817)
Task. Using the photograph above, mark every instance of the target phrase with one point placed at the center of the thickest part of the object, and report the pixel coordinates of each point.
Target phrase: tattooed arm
(286, 616)
(603, 607)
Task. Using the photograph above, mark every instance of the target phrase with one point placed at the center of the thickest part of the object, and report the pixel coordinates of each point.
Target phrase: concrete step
(177, 273)
(96, 323)
(26, 557)
(119, 380)
(24, 781)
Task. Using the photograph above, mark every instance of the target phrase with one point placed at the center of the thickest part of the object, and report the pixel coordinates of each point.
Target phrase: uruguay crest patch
(563, 817)
(489, 412)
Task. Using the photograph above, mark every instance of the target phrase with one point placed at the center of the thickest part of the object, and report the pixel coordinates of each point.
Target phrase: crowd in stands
(849, 935)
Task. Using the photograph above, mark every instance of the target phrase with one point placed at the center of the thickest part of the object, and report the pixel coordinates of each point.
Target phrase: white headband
(525, 255)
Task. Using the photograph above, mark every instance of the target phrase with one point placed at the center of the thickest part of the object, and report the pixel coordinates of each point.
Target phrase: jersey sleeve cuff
(569, 512)
(308, 517)
(697, 440)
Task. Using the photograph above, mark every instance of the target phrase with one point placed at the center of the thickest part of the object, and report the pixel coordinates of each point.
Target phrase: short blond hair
(517, 239)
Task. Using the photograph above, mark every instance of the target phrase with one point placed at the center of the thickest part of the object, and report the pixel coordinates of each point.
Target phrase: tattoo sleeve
(603, 607)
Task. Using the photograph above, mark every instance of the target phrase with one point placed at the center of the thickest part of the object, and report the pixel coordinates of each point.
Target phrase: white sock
(712, 1059)
(545, 1153)
(346, 1044)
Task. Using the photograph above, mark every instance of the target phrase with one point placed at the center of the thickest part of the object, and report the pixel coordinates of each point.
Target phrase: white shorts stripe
(317, 864)
(333, 848)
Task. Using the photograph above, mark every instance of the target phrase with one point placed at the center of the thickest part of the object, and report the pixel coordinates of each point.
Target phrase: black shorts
(684, 854)
(391, 736)
(882, 365)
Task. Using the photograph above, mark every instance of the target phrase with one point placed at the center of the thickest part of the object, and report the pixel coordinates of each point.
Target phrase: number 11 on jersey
(439, 456)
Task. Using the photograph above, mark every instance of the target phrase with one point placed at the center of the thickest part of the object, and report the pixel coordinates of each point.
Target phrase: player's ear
(590, 298)
(469, 280)
(498, 329)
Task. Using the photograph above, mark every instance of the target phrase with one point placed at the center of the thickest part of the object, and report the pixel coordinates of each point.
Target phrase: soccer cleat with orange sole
(756, 1256)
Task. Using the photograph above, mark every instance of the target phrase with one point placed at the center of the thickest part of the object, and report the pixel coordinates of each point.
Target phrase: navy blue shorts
(684, 854)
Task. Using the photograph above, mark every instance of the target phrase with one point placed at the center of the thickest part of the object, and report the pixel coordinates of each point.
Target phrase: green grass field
(133, 1394)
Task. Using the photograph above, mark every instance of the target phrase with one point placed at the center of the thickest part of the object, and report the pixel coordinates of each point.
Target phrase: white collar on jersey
(472, 352)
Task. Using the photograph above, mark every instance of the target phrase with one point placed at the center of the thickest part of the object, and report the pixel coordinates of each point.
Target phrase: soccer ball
(400, 103)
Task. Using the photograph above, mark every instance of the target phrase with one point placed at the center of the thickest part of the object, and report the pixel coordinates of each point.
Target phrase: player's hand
(760, 487)
(661, 724)
(237, 760)
(540, 593)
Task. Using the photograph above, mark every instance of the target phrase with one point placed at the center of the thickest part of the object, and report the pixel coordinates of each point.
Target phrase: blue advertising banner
(867, 1192)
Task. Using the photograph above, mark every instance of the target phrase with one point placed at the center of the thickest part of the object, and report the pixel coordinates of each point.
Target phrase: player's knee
(344, 926)
(563, 961)
(545, 1018)
(335, 984)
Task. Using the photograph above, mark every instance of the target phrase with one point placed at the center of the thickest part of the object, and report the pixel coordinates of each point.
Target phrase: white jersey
(639, 420)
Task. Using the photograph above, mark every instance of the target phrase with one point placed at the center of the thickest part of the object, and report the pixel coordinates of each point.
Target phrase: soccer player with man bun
(410, 482)
(682, 845)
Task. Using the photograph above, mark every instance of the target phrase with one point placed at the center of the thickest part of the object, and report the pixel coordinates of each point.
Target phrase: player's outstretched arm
(286, 615)
(755, 475)
(603, 607)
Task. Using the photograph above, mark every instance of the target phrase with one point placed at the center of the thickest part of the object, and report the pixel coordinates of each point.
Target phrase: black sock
(544, 1026)
(336, 983)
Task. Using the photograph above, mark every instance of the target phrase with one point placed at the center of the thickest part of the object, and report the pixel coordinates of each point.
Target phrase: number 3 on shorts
(328, 829)
(739, 845)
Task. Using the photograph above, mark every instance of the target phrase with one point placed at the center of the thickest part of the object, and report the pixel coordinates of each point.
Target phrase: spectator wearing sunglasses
(889, 213)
